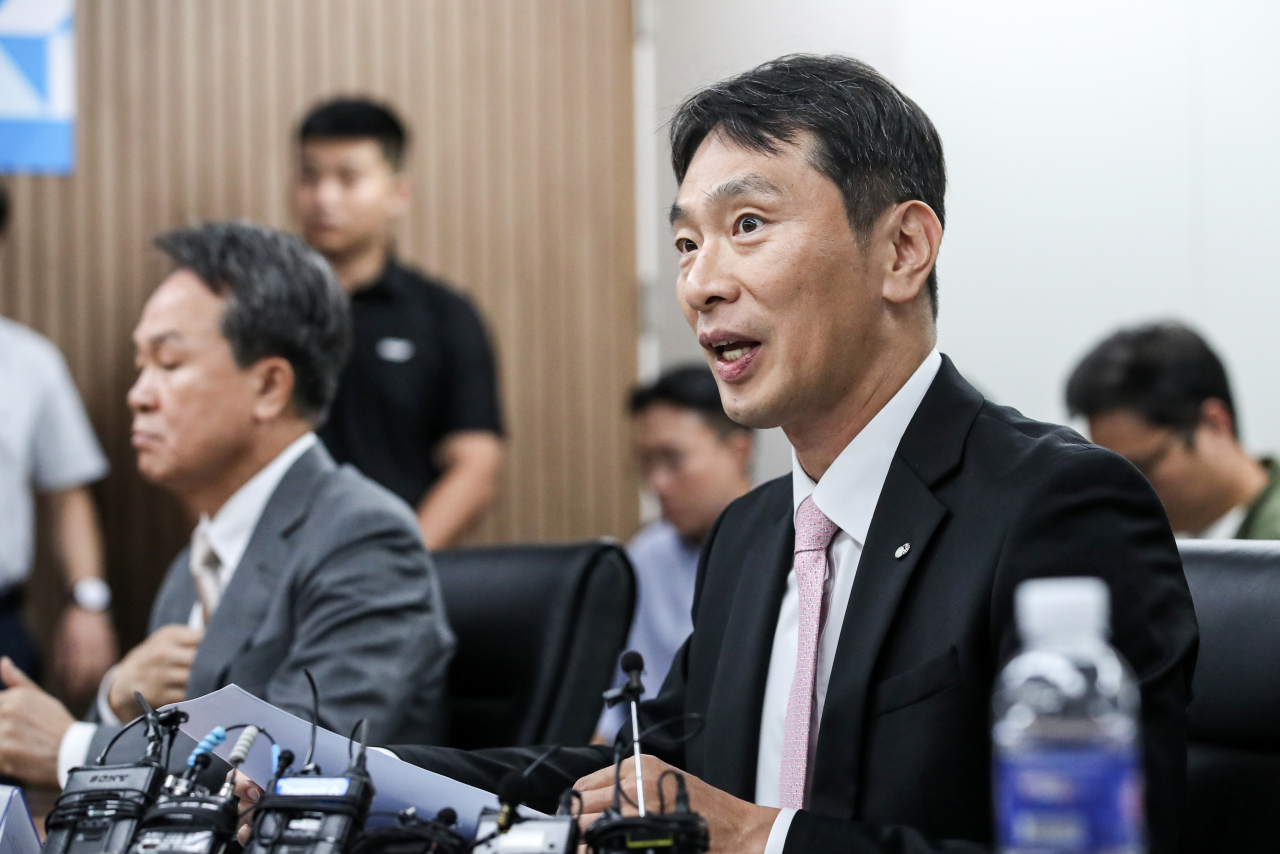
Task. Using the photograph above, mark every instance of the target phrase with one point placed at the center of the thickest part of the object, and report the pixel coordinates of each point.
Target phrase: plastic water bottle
(1068, 765)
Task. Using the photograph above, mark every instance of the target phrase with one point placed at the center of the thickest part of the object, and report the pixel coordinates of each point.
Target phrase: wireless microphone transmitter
(187, 818)
(681, 831)
(310, 813)
(101, 804)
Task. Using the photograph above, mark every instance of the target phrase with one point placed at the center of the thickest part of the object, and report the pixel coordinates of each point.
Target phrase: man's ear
(273, 389)
(915, 234)
(401, 193)
(1215, 416)
(741, 443)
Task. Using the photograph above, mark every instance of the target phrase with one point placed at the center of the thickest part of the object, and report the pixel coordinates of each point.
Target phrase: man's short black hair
(687, 387)
(282, 300)
(1162, 371)
(872, 141)
(358, 118)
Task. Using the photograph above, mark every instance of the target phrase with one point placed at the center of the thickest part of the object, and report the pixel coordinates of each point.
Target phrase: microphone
(633, 665)
(511, 794)
(555, 835)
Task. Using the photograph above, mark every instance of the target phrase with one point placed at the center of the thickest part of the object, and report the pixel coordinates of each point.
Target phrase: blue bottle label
(1077, 801)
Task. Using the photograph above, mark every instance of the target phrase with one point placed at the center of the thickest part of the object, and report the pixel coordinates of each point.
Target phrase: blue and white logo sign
(37, 86)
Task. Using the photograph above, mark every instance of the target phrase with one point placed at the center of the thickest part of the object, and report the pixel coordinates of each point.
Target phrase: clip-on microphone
(505, 830)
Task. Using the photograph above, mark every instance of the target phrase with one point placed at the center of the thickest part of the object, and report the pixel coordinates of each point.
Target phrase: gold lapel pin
(902, 551)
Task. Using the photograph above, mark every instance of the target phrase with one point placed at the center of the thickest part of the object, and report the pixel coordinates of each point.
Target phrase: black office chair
(540, 629)
(1233, 752)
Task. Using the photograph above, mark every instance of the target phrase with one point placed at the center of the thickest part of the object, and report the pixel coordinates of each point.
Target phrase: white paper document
(399, 785)
(17, 831)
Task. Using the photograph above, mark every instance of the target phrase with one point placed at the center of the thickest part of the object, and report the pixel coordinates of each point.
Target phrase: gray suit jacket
(335, 579)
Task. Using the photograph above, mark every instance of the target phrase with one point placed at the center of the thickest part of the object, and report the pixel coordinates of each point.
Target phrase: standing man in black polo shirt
(417, 406)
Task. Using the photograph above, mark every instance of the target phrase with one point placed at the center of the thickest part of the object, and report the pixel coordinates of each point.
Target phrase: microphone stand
(635, 731)
(633, 665)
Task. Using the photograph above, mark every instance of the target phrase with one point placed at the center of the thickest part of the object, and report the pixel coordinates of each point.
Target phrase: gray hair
(282, 300)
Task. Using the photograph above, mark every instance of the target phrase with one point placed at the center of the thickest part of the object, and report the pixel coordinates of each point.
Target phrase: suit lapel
(733, 709)
(260, 571)
(906, 512)
(177, 596)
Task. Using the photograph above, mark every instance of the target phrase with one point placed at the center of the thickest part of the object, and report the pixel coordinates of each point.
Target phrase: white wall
(1110, 162)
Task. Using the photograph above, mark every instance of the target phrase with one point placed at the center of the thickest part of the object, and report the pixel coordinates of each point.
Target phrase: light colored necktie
(814, 532)
(204, 572)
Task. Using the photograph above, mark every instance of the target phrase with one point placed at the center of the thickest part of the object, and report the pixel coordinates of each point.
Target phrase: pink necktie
(813, 534)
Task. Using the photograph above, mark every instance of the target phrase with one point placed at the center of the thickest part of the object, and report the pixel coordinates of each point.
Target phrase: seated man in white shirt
(295, 563)
(694, 461)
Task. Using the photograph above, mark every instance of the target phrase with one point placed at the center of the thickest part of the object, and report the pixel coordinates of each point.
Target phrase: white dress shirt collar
(229, 532)
(849, 491)
(231, 528)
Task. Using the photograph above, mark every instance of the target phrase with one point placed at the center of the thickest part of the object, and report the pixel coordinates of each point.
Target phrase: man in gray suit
(295, 563)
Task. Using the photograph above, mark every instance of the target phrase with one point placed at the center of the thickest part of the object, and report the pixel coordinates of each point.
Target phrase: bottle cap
(1063, 609)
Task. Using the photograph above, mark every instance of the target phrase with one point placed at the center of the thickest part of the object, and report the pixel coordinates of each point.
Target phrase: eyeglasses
(1148, 463)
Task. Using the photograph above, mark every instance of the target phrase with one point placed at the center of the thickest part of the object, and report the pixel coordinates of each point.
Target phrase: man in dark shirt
(417, 406)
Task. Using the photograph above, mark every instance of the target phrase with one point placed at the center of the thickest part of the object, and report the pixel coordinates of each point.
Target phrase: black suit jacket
(987, 498)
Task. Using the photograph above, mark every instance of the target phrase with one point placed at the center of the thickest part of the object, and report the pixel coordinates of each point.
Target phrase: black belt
(12, 598)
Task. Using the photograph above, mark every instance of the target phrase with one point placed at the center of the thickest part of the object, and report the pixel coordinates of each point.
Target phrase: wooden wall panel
(522, 165)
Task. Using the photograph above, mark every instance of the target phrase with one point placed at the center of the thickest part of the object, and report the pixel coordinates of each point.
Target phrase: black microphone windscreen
(632, 661)
(447, 816)
(511, 788)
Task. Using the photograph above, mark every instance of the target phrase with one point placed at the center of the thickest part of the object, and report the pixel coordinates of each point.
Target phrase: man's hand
(85, 649)
(157, 668)
(32, 725)
(249, 793)
(736, 826)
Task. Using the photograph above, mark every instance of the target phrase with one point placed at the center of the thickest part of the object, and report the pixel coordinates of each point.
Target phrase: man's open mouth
(732, 351)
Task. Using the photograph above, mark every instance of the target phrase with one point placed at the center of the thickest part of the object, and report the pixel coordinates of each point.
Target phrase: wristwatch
(92, 594)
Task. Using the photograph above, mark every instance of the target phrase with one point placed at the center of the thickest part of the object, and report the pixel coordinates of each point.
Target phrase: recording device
(309, 812)
(412, 834)
(505, 830)
(101, 805)
(680, 831)
(187, 818)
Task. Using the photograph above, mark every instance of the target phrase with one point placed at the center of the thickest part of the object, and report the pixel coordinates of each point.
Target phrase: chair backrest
(1233, 753)
(540, 629)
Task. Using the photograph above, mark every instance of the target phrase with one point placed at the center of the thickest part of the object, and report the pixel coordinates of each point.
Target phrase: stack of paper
(399, 785)
(17, 830)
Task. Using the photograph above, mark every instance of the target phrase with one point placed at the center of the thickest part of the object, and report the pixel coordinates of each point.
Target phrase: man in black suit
(808, 222)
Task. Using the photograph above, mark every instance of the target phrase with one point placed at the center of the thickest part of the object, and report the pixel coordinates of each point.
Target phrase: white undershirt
(847, 494)
(1223, 529)
(229, 532)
